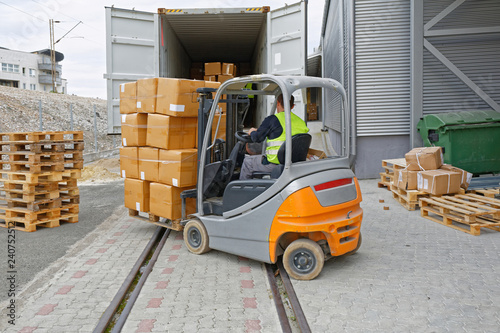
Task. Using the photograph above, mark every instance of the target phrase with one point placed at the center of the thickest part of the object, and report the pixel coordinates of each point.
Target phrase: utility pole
(53, 43)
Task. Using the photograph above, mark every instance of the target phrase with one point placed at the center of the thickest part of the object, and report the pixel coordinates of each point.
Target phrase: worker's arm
(270, 128)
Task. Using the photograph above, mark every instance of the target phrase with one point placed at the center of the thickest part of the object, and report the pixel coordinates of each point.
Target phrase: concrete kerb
(91, 157)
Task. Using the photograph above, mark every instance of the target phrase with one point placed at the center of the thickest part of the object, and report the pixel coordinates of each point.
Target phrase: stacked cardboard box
(39, 172)
(426, 172)
(159, 156)
(219, 72)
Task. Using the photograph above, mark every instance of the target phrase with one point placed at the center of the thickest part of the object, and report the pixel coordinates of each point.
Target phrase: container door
(132, 53)
(287, 45)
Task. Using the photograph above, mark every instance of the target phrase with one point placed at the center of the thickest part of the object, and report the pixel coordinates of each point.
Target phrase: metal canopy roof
(229, 37)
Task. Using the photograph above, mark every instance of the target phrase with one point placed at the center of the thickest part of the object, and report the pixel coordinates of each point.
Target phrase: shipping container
(167, 44)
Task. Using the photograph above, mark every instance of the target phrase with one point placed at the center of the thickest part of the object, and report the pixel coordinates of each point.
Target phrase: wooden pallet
(41, 148)
(32, 158)
(30, 197)
(25, 215)
(69, 174)
(73, 164)
(487, 192)
(28, 226)
(407, 198)
(41, 137)
(29, 188)
(387, 177)
(32, 206)
(21, 177)
(465, 212)
(38, 167)
(154, 219)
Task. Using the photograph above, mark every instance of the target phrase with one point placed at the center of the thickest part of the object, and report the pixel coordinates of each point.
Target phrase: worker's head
(280, 107)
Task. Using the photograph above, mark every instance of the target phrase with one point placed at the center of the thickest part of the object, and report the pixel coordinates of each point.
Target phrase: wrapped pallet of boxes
(466, 177)
(134, 129)
(146, 95)
(128, 97)
(439, 182)
(424, 158)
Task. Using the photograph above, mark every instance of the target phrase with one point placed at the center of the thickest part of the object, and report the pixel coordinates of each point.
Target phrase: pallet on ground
(407, 198)
(32, 206)
(390, 166)
(156, 220)
(487, 192)
(28, 226)
(465, 212)
(69, 213)
(21, 214)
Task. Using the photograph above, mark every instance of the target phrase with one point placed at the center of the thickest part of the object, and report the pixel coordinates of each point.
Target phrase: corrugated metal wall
(382, 37)
(476, 55)
(333, 58)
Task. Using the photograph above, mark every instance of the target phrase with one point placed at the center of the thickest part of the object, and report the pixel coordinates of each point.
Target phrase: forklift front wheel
(196, 237)
(303, 259)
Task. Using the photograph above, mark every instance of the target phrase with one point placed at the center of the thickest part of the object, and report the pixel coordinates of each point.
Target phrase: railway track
(290, 314)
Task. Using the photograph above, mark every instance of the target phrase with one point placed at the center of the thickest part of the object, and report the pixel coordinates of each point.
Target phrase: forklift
(307, 210)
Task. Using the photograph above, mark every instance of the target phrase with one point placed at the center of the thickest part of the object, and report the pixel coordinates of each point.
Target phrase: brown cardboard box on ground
(406, 180)
(171, 132)
(178, 167)
(165, 201)
(134, 129)
(312, 112)
(128, 98)
(213, 68)
(148, 163)
(438, 182)
(466, 177)
(129, 162)
(228, 69)
(146, 95)
(178, 97)
(424, 158)
(223, 78)
(314, 154)
(137, 194)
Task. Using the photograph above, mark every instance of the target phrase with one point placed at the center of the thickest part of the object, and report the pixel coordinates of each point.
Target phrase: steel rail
(280, 308)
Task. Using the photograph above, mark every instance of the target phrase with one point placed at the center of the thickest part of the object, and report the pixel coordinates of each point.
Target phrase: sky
(24, 26)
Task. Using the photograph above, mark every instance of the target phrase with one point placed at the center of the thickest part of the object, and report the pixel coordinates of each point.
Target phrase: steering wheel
(243, 137)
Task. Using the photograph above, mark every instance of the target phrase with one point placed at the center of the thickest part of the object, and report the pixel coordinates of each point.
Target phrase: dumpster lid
(434, 121)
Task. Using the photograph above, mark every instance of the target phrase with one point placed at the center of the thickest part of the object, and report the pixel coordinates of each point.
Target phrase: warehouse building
(401, 60)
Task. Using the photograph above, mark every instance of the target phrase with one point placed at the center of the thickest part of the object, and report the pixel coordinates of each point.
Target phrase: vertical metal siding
(332, 49)
(476, 55)
(382, 37)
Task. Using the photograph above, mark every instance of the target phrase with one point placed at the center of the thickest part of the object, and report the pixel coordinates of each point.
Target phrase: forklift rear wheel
(196, 237)
(303, 259)
(357, 246)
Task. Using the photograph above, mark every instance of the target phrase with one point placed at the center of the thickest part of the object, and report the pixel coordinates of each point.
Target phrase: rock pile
(19, 112)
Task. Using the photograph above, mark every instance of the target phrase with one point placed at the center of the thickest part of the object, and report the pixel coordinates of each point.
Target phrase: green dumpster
(470, 139)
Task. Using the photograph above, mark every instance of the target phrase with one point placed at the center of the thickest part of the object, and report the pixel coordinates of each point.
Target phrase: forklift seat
(300, 147)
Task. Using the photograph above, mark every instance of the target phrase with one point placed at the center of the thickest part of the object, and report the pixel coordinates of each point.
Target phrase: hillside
(19, 111)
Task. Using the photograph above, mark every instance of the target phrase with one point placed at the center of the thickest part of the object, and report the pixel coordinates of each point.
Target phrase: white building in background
(31, 70)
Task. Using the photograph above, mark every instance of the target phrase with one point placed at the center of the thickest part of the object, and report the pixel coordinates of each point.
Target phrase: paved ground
(410, 275)
(37, 250)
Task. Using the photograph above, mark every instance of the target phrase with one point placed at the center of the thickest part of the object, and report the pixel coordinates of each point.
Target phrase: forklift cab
(307, 211)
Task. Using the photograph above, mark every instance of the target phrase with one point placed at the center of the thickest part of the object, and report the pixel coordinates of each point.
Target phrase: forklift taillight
(332, 184)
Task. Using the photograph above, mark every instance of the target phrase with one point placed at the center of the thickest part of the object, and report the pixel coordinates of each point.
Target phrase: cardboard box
(424, 158)
(466, 177)
(213, 68)
(129, 162)
(171, 132)
(146, 95)
(312, 112)
(211, 78)
(137, 194)
(148, 163)
(165, 201)
(178, 167)
(223, 77)
(228, 69)
(314, 154)
(406, 180)
(438, 182)
(128, 98)
(134, 129)
(178, 97)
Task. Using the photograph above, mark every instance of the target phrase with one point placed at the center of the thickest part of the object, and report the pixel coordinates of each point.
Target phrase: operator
(272, 128)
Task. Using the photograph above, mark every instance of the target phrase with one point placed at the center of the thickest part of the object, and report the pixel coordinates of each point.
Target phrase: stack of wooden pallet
(38, 183)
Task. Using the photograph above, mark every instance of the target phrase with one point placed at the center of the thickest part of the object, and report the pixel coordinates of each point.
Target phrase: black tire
(303, 259)
(357, 246)
(196, 237)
